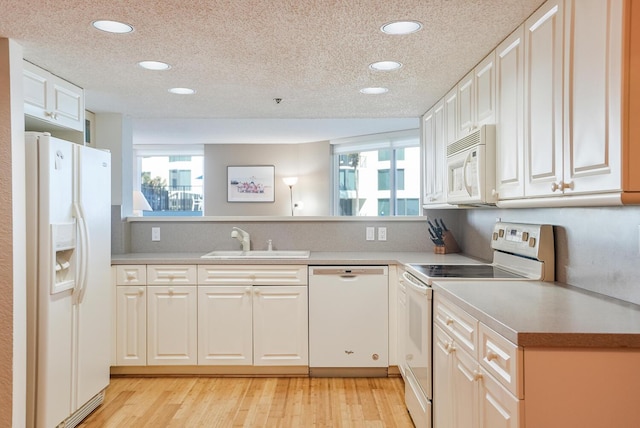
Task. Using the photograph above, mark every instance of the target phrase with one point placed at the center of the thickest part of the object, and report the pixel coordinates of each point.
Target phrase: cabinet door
(172, 325)
(543, 99)
(434, 155)
(280, 326)
(498, 408)
(131, 326)
(442, 379)
(428, 156)
(466, 101)
(225, 331)
(451, 117)
(440, 154)
(52, 99)
(465, 389)
(485, 91)
(401, 323)
(510, 116)
(593, 95)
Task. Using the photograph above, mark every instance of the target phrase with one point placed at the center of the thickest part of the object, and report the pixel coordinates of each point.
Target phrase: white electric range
(520, 252)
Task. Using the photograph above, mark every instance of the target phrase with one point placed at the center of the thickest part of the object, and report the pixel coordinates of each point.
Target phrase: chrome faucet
(243, 237)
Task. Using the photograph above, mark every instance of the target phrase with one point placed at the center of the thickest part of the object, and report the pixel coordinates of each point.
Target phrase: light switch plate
(382, 234)
(371, 233)
(155, 233)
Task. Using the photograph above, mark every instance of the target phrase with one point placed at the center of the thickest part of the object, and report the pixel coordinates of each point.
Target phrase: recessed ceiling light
(154, 65)
(374, 91)
(385, 65)
(182, 91)
(401, 27)
(112, 26)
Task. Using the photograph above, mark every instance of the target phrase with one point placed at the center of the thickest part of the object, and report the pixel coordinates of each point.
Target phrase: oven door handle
(416, 286)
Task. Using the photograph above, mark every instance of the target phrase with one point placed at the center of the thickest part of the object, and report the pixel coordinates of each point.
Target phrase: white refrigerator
(68, 286)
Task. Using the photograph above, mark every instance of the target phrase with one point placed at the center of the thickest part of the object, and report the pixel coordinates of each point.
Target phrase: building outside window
(171, 183)
(377, 175)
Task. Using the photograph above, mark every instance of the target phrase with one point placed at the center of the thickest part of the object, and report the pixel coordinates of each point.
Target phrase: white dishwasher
(348, 320)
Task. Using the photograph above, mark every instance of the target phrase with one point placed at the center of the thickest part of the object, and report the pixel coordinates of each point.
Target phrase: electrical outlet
(382, 234)
(371, 233)
(155, 233)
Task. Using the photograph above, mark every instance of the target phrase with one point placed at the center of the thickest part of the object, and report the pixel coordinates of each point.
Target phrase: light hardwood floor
(252, 402)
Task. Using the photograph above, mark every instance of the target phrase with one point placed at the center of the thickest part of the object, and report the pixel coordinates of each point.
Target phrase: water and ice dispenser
(63, 239)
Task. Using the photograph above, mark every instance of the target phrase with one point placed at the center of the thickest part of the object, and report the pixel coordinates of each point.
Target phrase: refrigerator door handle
(83, 257)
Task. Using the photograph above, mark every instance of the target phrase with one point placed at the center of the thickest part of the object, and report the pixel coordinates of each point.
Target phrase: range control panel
(529, 240)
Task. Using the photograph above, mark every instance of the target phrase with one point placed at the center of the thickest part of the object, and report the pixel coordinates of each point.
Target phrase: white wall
(310, 162)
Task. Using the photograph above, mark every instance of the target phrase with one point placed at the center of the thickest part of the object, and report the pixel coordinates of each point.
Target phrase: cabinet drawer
(462, 327)
(502, 359)
(252, 274)
(131, 275)
(172, 275)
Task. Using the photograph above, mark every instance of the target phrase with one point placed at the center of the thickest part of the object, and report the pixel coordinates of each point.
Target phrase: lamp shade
(140, 203)
(290, 181)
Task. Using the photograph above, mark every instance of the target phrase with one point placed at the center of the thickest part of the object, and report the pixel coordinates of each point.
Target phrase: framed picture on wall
(251, 183)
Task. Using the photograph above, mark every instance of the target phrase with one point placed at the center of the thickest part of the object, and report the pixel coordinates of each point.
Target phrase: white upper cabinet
(510, 116)
(577, 77)
(593, 96)
(543, 99)
(52, 99)
(434, 155)
(476, 98)
(451, 117)
(466, 92)
(485, 91)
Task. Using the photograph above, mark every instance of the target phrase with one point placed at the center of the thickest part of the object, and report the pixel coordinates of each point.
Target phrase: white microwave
(471, 168)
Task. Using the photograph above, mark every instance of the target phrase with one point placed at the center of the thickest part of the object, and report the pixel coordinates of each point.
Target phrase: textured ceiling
(241, 54)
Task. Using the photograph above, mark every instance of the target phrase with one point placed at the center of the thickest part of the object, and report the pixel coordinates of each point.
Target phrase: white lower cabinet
(131, 326)
(246, 325)
(216, 315)
(465, 393)
(172, 325)
(225, 329)
(280, 326)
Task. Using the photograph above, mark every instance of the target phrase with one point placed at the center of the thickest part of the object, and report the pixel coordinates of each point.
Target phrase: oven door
(418, 332)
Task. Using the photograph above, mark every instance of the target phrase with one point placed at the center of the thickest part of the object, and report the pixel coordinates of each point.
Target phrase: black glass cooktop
(463, 271)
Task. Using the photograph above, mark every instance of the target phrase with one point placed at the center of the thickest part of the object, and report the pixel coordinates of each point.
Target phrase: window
(171, 183)
(377, 175)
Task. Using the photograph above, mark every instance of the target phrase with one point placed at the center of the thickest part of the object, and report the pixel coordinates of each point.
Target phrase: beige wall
(310, 162)
(12, 242)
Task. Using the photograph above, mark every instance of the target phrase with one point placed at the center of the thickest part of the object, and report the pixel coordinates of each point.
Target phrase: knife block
(450, 244)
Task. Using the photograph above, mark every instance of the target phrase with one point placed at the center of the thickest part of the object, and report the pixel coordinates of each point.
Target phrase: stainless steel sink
(257, 254)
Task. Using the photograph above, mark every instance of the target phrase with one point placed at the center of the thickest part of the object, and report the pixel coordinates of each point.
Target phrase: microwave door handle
(467, 160)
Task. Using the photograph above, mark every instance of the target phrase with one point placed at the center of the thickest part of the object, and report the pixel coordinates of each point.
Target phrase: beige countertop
(315, 258)
(540, 314)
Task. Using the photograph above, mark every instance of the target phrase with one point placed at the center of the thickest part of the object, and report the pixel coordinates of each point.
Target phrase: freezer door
(92, 299)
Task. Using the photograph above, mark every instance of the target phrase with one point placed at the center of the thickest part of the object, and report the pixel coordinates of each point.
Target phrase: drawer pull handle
(449, 321)
(491, 356)
(171, 291)
(141, 290)
(477, 375)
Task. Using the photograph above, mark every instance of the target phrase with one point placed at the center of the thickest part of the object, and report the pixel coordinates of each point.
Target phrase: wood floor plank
(252, 403)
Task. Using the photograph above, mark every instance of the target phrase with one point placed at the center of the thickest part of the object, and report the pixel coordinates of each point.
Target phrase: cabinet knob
(171, 291)
(477, 375)
(141, 290)
(247, 290)
(491, 355)
(257, 290)
(449, 321)
(561, 185)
